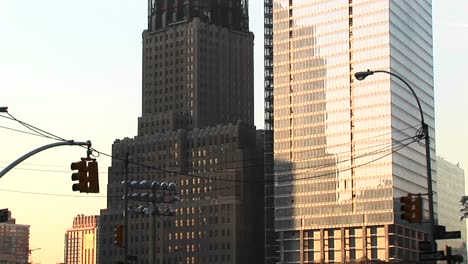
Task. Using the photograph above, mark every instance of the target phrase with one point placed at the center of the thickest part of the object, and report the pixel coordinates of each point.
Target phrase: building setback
(81, 240)
(197, 130)
(450, 189)
(14, 242)
(343, 150)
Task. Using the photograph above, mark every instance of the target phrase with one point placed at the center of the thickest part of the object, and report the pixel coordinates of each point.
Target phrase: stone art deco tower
(197, 130)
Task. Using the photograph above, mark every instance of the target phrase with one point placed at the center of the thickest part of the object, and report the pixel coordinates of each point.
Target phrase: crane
(31, 250)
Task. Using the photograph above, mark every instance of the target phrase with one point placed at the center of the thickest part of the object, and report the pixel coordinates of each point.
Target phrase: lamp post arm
(427, 139)
(425, 128)
(411, 89)
(35, 151)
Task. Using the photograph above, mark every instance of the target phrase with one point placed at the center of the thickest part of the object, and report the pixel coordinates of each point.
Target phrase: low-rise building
(14, 242)
(81, 240)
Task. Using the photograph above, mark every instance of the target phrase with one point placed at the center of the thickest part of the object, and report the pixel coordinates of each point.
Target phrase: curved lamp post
(425, 128)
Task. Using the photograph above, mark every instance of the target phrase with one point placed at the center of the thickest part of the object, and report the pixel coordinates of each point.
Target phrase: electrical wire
(223, 188)
(21, 131)
(37, 130)
(131, 162)
(227, 170)
(53, 194)
(214, 179)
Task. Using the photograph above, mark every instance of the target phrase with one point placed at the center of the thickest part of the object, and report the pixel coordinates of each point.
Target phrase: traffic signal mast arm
(31, 153)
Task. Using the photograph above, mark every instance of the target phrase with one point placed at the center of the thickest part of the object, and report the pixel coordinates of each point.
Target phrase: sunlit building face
(344, 149)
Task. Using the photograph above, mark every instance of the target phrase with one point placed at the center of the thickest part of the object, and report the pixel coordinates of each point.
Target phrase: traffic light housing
(93, 177)
(86, 175)
(411, 208)
(81, 176)
(119, 236)
(417, 209)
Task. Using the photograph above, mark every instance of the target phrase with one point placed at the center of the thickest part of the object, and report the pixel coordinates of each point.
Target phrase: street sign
(448, 235)
(427, 256)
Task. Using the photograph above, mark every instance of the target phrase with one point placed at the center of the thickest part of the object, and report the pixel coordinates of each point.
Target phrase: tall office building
(14, 242)
(270, 241)
(343, 150)
(451, 187)
(81, 240)
(197, 130)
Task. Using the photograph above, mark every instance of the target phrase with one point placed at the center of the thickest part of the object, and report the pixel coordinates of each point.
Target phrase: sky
(73, 68)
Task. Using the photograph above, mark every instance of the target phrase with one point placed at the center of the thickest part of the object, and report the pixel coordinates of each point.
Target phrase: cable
(25, 169)
(355, 157)
(228, 180)
(21, 131)
(285, 162)
(334, 173)
(131, 162)
(37, 130)
(53, 194)
(94, 150)
(219, 170)
(34, 164)
(228, 187)
(228, 170)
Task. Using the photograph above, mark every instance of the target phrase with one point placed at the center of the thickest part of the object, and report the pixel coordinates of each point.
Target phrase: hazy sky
(73, 68)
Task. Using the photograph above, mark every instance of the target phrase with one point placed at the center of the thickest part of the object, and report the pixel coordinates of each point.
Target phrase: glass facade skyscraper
(344, 150)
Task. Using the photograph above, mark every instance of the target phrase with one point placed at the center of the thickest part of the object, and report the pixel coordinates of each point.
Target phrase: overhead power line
(50, 135)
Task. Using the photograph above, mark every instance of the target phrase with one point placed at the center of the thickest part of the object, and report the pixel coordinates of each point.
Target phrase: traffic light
(119, 236)
(411, 208)
(81, 176)
(93, 178)
(87, 176)
(417, 209)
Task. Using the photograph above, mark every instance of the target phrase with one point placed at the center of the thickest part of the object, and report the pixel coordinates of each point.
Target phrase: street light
(162, 193)
(425, 130)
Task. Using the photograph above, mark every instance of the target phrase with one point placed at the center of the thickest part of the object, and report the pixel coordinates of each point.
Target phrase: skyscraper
(81, 240)
(197, 130)
(344, 151)
(450, 189)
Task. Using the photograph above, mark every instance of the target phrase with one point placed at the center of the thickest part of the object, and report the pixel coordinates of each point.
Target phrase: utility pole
(30, 251)
(125, 209)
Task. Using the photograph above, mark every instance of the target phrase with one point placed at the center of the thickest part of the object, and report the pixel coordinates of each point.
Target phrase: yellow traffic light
(119, 236)
(81, 176)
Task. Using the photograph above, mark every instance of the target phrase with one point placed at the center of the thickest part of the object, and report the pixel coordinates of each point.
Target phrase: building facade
(197, 130)
(14, 242)
(344, 151)
(81, 241)
(270, 241)
(451, 187)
